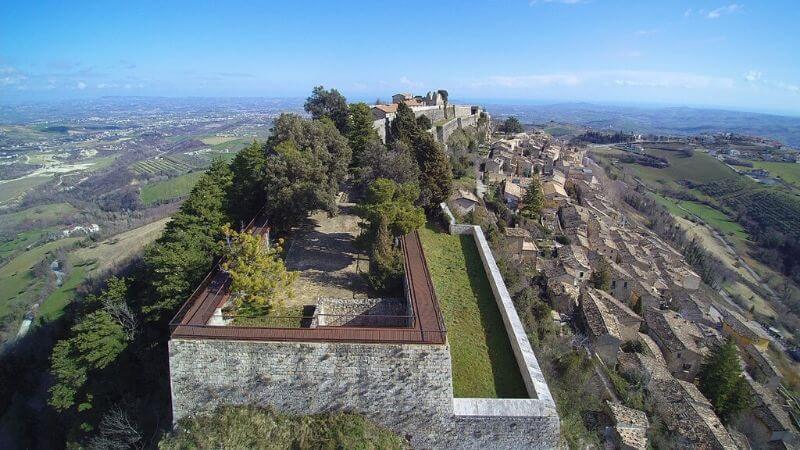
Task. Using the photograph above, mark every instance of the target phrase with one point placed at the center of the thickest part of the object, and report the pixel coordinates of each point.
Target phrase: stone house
(688, 416)
(564, 296)
(761, 367)
(402, 97)
(605, 328)
(629, 429)
(464, 202)
(521, 245)
(384, 111)
(512, 194)
(681, 342)
(493, 166)
(743, 331)
(766, 424)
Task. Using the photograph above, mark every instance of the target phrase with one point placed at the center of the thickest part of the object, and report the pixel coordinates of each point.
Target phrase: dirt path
(328, 262)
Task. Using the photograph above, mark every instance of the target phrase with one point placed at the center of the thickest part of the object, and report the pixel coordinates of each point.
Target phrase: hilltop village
(531, 295)
(629, 299)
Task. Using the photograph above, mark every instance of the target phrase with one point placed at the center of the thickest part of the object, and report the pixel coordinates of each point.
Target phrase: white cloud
(11, 76)
(405, 81)
(630, 78)
(752, 76)
(529, 81)
(645, 32)
(81, 85)
(723, 10)
(687, 13)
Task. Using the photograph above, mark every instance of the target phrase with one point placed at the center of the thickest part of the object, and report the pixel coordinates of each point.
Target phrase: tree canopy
(328, 103)
(511, 125)
(393, 204)
(722, 381)
(360, 131)
(259, 276)
(533, 200)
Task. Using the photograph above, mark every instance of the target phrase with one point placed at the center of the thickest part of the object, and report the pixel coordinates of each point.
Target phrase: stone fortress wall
(403, 386)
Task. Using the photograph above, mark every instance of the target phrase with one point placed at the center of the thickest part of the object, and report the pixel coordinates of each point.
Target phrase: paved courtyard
(324, 254)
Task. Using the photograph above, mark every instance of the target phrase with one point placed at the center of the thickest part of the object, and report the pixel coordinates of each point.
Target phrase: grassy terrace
(483, 361)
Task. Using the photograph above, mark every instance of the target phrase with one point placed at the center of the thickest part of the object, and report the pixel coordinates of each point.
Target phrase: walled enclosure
(404, 386)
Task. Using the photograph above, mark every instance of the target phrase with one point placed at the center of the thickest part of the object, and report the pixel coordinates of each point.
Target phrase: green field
(173, 188)
(788, 172)
(44, 213)
(483, 362)
(54, 304)
(712, 217)
(17, 282)
(12, 189)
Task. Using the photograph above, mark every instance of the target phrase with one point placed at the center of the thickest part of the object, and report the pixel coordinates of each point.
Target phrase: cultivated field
(180, 186)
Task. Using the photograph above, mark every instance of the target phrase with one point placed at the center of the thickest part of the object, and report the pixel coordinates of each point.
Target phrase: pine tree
(385, 262)
(722, 382)
(246, 195)
(533, 200)
(404, 127)
(259, 276)
(360, 131)
(601, 276)
(436, 177)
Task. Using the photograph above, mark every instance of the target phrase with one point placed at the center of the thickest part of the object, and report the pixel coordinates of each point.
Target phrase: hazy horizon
(718, 54)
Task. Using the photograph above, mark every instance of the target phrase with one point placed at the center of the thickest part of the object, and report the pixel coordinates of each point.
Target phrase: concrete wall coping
(526, 359)
(502, 407)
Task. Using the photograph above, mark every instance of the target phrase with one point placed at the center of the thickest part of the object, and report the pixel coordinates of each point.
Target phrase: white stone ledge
(526, 359)
(501, 407)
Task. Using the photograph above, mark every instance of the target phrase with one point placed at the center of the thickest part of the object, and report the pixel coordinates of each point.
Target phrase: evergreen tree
(328, 103)
(385, 262)
(533, 200)
(184, 252)
(601, 276)
(722, 382)
(404, 127)
(511, 125)
(259, 277)
(392, 205)
(436, 177)
(424, 122)
(246, 195)
(361, 132)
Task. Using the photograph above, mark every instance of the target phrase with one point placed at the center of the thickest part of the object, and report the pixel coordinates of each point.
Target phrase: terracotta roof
(463, 193)
(387, 108)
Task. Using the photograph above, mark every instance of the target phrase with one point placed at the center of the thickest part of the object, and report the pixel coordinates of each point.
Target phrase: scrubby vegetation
(250, 427)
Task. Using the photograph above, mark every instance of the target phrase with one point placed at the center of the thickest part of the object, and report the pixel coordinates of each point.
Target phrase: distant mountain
(679, 120)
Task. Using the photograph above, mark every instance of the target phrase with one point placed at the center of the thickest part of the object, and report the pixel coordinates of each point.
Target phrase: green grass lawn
(483, 362)
(788, 172)
(167, 189)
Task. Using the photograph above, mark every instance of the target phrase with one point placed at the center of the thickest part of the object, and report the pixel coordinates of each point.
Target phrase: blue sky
(741, 55)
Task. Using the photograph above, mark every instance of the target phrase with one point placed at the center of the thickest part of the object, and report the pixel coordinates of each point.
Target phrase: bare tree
(122, 313)
(116, 431)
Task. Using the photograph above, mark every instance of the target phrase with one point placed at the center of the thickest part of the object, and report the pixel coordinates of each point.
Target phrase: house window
(613, 284)
(625, 284)
(580, 275)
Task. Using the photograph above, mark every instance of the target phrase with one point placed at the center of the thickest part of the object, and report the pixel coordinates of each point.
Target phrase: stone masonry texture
(405, 387)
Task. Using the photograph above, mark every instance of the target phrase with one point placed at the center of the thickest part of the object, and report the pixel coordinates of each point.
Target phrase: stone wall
(400, 386)
(406, 388)
(364, 312)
